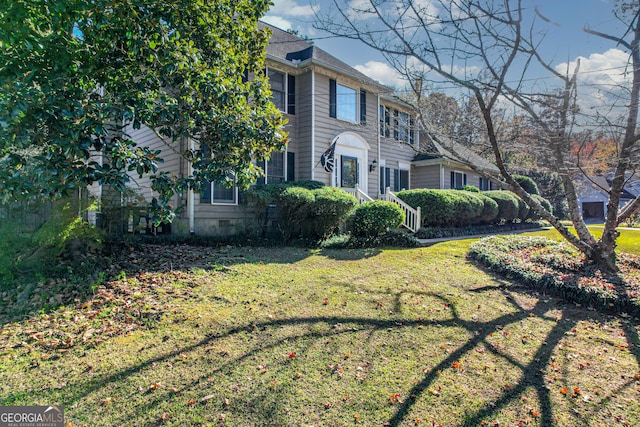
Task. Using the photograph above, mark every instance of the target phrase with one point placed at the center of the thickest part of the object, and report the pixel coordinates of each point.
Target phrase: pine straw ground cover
(295, 337)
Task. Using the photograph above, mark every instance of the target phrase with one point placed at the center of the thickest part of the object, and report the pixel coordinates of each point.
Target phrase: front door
(351, 157)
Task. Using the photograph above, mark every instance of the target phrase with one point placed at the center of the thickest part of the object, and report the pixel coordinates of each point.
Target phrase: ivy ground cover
(185, 336)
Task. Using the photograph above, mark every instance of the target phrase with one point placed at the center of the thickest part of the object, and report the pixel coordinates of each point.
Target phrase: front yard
(297, 337)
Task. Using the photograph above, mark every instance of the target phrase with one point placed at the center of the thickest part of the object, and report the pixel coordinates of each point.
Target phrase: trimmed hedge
(330, 207)
(527, 184)
(451, 207)
(555, 267)
(392, 238)
(508, 205)
(374, 218)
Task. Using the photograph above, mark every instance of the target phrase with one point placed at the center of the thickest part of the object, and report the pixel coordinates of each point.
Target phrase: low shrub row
(459, 208)
(309, 210)
(557, 268)
(393, 238)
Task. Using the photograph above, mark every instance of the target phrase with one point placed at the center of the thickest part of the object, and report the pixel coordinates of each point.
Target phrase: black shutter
(263, 165)
(357, 172)
(291, 166)
(205, 192)
(363, 107)
(412, 138)
(453, 179)
(396, 180)
(291, 94)
(333, 97)
(387, 178)
(396, 135)
(382, 184)
(464, 179)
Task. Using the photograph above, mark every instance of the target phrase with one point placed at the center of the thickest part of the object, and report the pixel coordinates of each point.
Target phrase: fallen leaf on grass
(207, 398)
(191, 402)
(164, 416)
(395, 398)
(563, 390)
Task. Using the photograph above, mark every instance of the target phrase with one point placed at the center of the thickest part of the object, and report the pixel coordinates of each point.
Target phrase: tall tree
(488, 49)
(75, 73)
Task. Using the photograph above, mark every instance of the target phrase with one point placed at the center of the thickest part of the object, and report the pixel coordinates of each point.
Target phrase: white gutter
(441, 177)
(191, 195)
(313, 123)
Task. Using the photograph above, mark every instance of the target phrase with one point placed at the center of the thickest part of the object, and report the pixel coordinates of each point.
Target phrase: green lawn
(295, 337)
(629, 240)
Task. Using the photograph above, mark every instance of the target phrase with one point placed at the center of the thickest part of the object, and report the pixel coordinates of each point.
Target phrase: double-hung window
(458, 179)
(221, 191)
(347, 103)
(283, 88)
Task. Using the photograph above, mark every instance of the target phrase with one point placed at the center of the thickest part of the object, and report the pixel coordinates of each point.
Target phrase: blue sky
(601, 62)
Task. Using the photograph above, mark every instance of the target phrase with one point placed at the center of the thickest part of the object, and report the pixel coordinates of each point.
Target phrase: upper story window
(347, 103)
(283, 88)
(402, 125)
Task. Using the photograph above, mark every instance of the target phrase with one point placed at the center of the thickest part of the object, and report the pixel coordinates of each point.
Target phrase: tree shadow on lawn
(263, 407)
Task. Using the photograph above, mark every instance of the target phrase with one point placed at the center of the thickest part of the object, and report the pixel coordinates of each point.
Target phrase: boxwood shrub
(329, 208)
(374, 218)
(508, 205)
(438, 206)
(533, 215)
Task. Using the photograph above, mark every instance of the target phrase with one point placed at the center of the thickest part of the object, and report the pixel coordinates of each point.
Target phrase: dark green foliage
(527, 184)
(523, 209)
(393, 238)
(508, 206)
(555, 267)
(470, 188)
(552, 189)
(329, 209)
(374, 218)
(533, 215)
(76, 73)
(468, 208)
(296, 203)
(437, 205)
(489, 211)
(451, 207)
(473, 230)
(295, 209)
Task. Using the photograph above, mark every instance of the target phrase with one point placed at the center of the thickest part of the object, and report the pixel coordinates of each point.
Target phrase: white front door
(351, 158)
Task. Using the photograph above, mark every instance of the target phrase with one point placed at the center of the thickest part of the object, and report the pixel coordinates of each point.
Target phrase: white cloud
(603, 79)
(383, 73)
(278, 21)
(290, 8)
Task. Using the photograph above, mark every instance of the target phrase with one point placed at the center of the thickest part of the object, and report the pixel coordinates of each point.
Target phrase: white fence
(412, 217)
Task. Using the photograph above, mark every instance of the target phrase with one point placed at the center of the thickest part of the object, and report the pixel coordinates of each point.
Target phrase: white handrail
(362, 196)
(412, 217)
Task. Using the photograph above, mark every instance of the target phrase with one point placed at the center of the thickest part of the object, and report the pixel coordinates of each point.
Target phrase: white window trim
(451, 184)
(285, 88)
(217, 203)
(357, 99)
(284, 167)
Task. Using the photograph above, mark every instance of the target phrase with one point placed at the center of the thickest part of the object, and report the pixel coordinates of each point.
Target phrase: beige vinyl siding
(145, 137)
(327, 128)
(425, 176)
(300, 142)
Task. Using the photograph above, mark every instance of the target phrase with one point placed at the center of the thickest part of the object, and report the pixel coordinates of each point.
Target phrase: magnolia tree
(76, 74)
(490, 51)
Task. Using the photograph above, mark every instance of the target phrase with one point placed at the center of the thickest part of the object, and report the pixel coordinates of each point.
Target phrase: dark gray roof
(291, 48)
(433, 150)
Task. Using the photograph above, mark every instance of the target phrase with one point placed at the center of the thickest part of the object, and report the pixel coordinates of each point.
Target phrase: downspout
(377, 124)
(313, 123)
(192, 194)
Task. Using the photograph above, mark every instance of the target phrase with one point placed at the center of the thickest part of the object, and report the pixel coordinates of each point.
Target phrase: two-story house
(345, 130)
